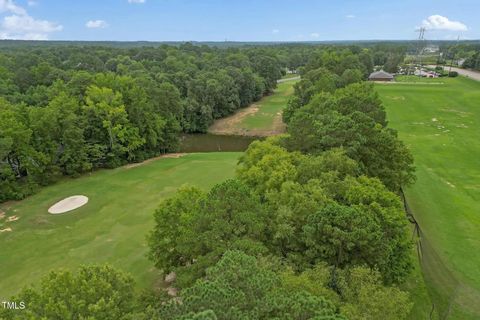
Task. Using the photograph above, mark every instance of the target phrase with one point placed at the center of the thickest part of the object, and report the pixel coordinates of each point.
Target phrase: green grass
(111, 227)
(270, 107)
(441, 124)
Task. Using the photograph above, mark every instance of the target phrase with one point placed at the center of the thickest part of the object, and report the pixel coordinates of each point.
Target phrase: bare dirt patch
(12, 218)
(228, 125)
(168, 155)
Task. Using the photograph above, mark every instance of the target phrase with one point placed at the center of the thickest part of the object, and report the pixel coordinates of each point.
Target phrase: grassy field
(111, 227)
(263, 118)
(270, 108)
(439, 119)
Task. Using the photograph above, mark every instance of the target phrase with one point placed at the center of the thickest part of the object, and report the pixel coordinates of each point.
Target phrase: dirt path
(288, 79)
(168, 155)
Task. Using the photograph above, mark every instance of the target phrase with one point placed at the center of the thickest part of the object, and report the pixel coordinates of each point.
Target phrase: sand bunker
(68, 204)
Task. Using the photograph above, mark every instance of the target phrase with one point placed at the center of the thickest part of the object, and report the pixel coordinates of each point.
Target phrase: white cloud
(20, 25)
(438, 22)
(10, 6)
(136, 1)
(314, 35)
(96, 24)
(26, 24)
(32, 3)
(275, 31)
(350, 16)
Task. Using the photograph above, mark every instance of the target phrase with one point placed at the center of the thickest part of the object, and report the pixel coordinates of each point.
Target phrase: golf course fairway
(439, 119)
(110, 228)
(262, 118)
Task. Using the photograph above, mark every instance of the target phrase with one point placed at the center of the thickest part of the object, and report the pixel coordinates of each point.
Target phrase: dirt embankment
(231, 125)
(168, 155)
(228, 125)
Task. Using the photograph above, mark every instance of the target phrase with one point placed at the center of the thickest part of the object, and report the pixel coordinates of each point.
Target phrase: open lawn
(439, 119)
(111, 227)
(263, 118)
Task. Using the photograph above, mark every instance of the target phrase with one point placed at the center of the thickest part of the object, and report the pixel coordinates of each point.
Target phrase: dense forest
(311, 226)
(68, 110)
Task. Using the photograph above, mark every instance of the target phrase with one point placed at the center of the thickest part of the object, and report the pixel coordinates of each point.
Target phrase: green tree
(377, 149)
(342, 235)
(350, 76)
(93, 292)
(108, 126)
(58, 133)
(364, 297)
(20, 164)
(193, 229)
(240, 287)
(358, 292)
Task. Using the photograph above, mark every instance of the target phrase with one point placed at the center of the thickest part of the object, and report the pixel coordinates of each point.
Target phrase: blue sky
(239, 20)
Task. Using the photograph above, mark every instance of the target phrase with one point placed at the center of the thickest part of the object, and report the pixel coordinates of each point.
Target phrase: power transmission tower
(420, 46)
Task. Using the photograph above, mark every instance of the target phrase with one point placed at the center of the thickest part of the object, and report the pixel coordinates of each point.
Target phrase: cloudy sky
(242, 20)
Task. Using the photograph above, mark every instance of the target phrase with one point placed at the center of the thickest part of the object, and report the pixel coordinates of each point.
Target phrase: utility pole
(453, 56)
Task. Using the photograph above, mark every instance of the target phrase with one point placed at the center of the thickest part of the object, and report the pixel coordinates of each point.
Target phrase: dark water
(214, 143)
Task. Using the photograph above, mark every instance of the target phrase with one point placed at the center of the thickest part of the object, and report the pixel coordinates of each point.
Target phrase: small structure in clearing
(381, 76)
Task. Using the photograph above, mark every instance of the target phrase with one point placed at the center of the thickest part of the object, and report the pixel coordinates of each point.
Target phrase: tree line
(311, 227)
(68, 110)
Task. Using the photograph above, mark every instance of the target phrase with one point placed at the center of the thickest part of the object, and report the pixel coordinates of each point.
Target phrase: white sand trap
(68, 204)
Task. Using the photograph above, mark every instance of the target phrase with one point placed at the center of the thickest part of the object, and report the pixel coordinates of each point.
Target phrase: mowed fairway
(111, 227)
(263, 118)
(440, 121)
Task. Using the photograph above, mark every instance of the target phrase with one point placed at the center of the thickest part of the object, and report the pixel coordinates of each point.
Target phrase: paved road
(467, 73)
(288, 79)
(475, 75)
